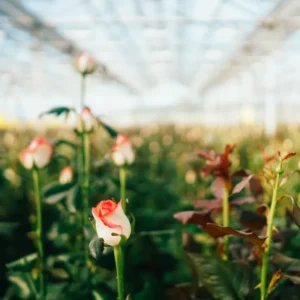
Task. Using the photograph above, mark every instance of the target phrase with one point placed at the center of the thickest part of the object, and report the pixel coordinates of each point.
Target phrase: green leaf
(55, 192)
(59, 273)
(96, 247)
(224, 280)
(66, 143)
(113, 133)
(295, 209)
(286, 264)
(58, 111)
(24, 285)
(24, 263)
(96, 295)
(72, 197)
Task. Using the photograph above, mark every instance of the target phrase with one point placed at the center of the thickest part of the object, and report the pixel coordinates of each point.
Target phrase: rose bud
(110, 219)
(66, 175)
(86, 120)
(85, 63)
(122, 151)
(38, 154)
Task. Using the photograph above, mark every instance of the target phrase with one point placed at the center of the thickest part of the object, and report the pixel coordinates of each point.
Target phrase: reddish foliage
(217, 164)
(194, 217)
(252, 220)
(218, 188)
(289, 155)
(220, 231)
(241, 185)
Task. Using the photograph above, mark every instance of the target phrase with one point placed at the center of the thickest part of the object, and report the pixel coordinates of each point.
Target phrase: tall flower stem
(225, 221)
(123, 187)
(39, 232)
(265, 258)
(120, 271)
(82, 91)
(85, 187)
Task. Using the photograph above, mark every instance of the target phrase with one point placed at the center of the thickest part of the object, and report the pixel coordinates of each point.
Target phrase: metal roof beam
(274, 28)
(26, 20)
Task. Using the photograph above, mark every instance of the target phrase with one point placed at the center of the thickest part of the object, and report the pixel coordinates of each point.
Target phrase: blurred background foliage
(164, 179)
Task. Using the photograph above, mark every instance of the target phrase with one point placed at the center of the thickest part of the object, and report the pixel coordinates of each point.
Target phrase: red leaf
(289, 155)
(207, 154)
(263, 209)
(194, 217)
(207, 205)
(240, 173)
(241, 185)
(252, 220)
(255, 186)
(220, 231)
(218, 188)
(268, 158)
(246, 200)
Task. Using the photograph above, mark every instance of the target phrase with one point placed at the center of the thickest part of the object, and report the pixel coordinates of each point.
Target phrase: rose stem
(265, 258)
(120, 271)
(225, 221)
(82, 91)
(39, 231)
(85, 147)
(123, 187)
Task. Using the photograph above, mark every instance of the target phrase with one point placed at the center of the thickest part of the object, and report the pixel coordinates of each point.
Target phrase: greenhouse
(150, 149)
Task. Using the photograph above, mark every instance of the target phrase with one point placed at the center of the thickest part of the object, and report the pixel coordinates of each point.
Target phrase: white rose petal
(42, 155)
(118, 158)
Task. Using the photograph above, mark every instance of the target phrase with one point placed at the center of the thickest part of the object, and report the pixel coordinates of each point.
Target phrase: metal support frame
(29, 22)
(275, 28)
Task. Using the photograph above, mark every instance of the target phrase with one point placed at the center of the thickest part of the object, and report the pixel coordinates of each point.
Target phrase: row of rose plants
(110, 218)
(109, 224)
(259, 229)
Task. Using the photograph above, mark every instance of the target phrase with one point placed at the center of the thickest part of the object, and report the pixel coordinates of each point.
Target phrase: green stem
(85, 147)
(39, 232)
(120, 271)
(265, 258)
(225, 221)
(82, 91)
(123, 187)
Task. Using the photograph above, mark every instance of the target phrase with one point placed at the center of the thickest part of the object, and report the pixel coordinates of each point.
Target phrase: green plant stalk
(85, 186)
(265, 258)
(123, 187)
(226, 221)
(120, 271)
(82, 90)
(39, 231)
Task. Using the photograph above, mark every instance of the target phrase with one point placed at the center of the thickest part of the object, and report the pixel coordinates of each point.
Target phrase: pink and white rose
(86, 121)
(66, 175)
(85, 63)
(110, 218)
(122, 151)
(38, 153)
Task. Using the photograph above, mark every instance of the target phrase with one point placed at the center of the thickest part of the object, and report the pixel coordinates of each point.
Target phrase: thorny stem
(265, 258)
(120, 271)
(39, 232)
(225, 221)
(123, 187)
